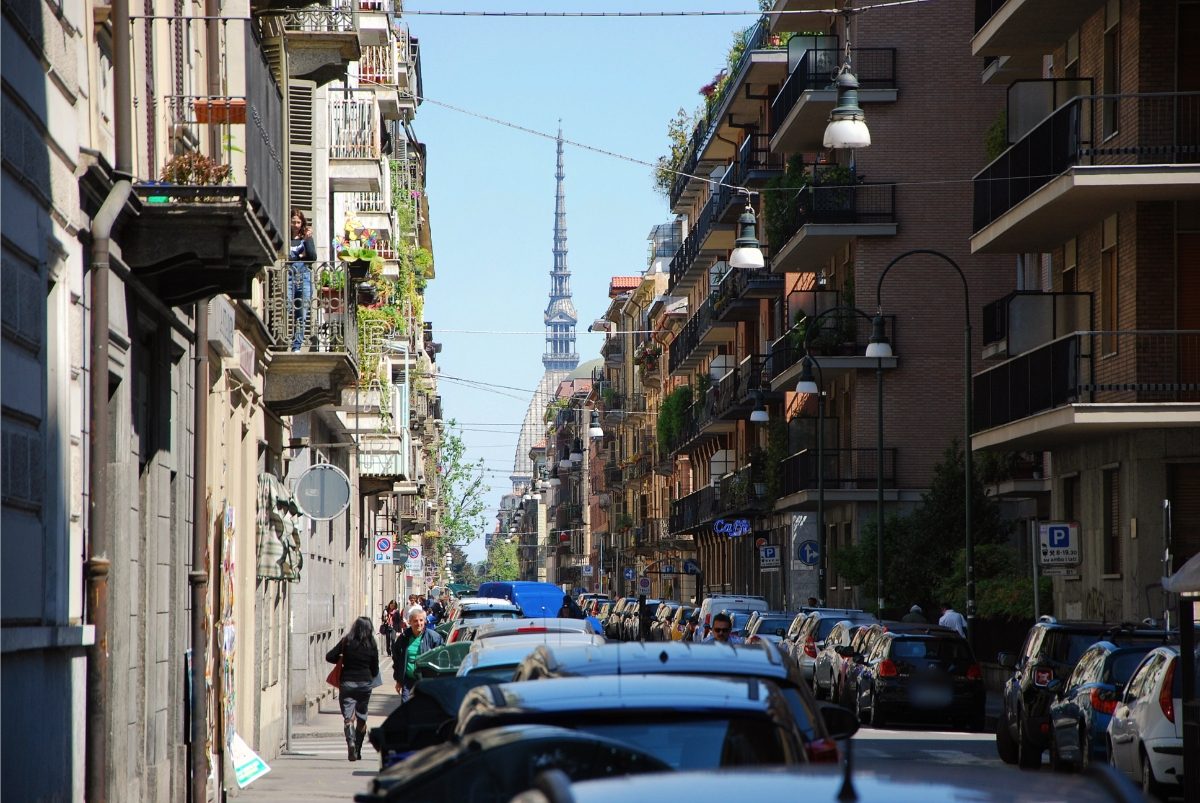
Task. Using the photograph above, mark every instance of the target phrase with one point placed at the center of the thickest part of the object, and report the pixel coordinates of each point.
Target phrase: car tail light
(1105, 703)
(810, 648)
(1165, 700)
(974, 672)
(453, 637)
(531, 630)
(1042, 675)
(822, 751)
(887, 669)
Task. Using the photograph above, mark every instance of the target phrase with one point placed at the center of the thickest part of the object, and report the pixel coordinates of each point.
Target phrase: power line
(653, 14)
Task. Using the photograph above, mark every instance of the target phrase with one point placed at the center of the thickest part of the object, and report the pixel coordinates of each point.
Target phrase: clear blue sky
(615, 83)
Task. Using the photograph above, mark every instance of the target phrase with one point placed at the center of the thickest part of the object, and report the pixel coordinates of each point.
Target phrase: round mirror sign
(323, 492)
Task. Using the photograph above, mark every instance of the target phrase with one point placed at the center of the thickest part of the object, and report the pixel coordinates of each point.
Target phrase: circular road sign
(644, 585)
(383, 544)
(323, 492)
(414, 552)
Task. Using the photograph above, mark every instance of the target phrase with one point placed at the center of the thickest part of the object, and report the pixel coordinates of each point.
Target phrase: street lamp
(594, 430)
(760, 414)
(847, 127)
(808, 385)
(747, 254)
(880, 348)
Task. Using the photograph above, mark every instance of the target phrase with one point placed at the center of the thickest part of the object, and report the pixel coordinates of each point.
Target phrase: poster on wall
(248, 766)
(227, 630)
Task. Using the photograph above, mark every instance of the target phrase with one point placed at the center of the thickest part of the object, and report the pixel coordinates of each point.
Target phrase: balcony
(613, 350)
(823, 218)
(699, 426)
(756, 163)
(386, 69)
(1027, 27)
(800, 110)
(310, 315)
(848, 475)
(839, 347)
(742, 493)
(385, 457)
(698, 338)
(1023, 320)
(741, 292)
(321, 41)
(708, 236)
(375, 21)
(211, 220)
(734, 395)
(1089, 385)
(636, 470)
(781, 23)
(1090, 157)
(694, 510)
(355, 163)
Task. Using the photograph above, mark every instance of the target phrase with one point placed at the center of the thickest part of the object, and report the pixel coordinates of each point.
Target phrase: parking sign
(383, 549)
(1058, 543)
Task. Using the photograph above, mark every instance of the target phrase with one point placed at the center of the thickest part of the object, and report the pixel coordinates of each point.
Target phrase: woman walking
(360, 665)
(387, 626)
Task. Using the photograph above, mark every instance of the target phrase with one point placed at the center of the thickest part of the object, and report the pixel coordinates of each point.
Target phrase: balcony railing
(335, 18)
(736, 389)
(353, 127)
(369, 203)
(874, 67)
(839, 204)
(985, 10)
(685, 258)
(310, 308)
(841, 336)
(694, 509)
(689, 337)
(844, 469)
(378, 64)
(739, 284)
(1026, 319)
(1092, 130)
(1152, 367)
(755, 160)
(743, 491)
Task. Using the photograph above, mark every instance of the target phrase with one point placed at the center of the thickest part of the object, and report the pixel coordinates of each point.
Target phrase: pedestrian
(722, 630)
(915, 615)
(302, 253)
(387, 626)
(360, 667)
(813, 602)
(953, 620)
(565, 611)
(416, 639)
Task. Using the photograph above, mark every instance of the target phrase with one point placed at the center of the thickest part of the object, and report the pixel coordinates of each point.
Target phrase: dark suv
(1051, 651)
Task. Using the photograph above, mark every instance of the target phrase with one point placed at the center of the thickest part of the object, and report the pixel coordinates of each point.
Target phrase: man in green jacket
(415, 639)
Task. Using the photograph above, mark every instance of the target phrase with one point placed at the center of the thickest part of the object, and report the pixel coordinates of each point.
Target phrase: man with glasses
(415, 640)
(722, 630)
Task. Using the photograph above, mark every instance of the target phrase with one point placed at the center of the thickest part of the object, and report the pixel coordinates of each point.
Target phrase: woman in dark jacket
(360, 665)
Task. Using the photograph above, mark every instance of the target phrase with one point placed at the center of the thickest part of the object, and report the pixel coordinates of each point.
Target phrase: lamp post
(808, 384)
(880, 347)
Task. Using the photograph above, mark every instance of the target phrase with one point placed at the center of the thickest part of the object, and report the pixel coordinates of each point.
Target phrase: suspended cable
(652, 14)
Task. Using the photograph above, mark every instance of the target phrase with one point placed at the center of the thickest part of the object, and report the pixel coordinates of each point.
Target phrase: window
(1112, 75)
(1070, 260)
(1108, 287)
(1071, 68)
(1070, 498)
(1112, 521)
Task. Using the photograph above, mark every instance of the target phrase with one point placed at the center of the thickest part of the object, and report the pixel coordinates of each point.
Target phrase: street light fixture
(594, 429)
(808, 385)
(760, 414)
(747, 253)
(847, 127)
(879, 347)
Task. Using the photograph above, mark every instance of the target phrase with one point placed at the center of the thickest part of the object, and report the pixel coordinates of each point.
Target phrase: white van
(734, 603)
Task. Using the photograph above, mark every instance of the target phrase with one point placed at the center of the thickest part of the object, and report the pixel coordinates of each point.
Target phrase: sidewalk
(318, 769)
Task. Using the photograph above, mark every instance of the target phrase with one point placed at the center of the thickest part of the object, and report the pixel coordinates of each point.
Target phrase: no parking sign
(383, 549)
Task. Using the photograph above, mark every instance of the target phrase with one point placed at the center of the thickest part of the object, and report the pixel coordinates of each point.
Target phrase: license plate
(930, 696)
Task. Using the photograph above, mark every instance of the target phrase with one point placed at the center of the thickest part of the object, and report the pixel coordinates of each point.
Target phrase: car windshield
(1122, 665)
(940, 649)
(825, 627)
(498, 671)
(698, 743)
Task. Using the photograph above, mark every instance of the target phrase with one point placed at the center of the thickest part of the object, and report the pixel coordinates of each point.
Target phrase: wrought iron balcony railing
(874, 67)
(1150, 367)
(689, 337)
(844, 469)
(1092, 130)
(694, 509)
(834, 204)
(335, 18)
(840, 336)
(310, 308)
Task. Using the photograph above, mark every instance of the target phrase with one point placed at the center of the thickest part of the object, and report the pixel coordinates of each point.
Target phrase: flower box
(220, 110)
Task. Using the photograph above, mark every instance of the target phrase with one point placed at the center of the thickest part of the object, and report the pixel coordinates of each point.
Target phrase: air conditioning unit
(243, 366)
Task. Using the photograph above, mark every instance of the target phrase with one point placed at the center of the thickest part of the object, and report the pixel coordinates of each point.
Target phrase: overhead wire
(653, 14)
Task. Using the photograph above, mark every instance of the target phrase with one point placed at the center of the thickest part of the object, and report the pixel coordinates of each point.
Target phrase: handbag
(334, 678)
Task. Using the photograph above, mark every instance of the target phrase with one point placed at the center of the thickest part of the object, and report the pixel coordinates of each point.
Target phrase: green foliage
(554, 408)
(780, 199)
(679, 131)
(463, 489)
(777, 452)
(195, 169)
(501, 563)
(996, 140)
(464, 571)
(670, 421)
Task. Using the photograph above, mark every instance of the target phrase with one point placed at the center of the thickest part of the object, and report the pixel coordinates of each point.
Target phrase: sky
(615, 83)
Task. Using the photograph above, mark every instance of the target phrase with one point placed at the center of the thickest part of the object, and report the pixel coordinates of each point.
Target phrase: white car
(467, 609)
(1145, 734)
(532, 627)
(499, 657)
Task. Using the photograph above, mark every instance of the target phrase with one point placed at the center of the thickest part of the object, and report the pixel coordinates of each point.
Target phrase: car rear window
(940, 649)
(1121, 667)
(769, 625)
(825, 627)
(698, 744)
(484, 613)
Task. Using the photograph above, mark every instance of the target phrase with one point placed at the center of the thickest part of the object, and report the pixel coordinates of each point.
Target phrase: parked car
(633, 618)
(517, 627)
(615, 622)
(535, 599)
(819, 725)
(921, 677)
(889, 782)
(808, 631)
(688, 722)
(426, 719)
(492, 766)
(1080, 715)
(469, 608)
(731, 603)
(862, 643)
(678, 624)
(768, 626)
(827, 666)
(498, 657)
(1145, 734)
(1051, 650)
(660, 626)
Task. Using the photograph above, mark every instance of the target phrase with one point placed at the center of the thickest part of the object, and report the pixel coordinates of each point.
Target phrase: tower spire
(560, 317)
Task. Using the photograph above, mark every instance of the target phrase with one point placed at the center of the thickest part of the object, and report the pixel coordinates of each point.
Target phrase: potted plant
(220, 110)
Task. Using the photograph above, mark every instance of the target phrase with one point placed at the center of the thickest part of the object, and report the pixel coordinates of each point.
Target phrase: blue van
(535, 599)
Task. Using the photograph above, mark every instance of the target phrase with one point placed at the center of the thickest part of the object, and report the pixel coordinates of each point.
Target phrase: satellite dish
(323, 492)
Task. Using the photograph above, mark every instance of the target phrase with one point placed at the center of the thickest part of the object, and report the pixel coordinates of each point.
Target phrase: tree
(464, 570)
(461, 492)
(502, 561)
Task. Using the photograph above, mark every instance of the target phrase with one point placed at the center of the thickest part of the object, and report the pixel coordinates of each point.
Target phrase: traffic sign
(690, 566)
(629, 574)
(586, 570)
(643, 585)
(666, 568)
(1059, 543)
(768, 557)
(808, 554)
(383, 549)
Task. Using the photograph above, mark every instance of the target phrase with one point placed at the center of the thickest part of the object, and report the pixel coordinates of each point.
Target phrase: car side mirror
(841, 722)
(1007, 660)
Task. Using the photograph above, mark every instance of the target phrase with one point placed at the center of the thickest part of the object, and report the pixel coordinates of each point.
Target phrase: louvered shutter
(301, 95)
(1185, 512)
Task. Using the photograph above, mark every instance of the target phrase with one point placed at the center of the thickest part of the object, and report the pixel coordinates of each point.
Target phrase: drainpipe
(99, 559)
(198, 576)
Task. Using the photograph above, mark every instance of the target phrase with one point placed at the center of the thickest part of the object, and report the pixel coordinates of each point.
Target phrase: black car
(1051, 651)
(923, 677)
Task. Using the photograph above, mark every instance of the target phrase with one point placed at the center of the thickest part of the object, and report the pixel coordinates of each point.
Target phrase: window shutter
(301, 96)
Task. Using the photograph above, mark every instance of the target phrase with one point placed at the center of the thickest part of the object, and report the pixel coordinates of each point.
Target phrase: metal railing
(378, 64)
(685, 257)
(694, 509)
(874, 67)
(985, 10)
(336, 18)
(310, 308)
(844, 469)
(738, 282)
(1092, 130)
(736, 388)
(1034, 318)
(1151, 367)
(742, 491)
(755, 156)
(840, 203)
(353, 126)
(841, 336)
(689, 337)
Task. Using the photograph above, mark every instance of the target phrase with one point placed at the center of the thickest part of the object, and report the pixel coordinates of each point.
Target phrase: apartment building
(164, 591)
(1094, 360)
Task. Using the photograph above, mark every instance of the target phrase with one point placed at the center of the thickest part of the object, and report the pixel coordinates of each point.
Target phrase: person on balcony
(302, 253)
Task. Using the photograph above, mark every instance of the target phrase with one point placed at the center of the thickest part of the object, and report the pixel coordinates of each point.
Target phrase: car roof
(538, 625)
(666, 657)
(625, 692)
(488, 602)
(897, 782)
(560, 637)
